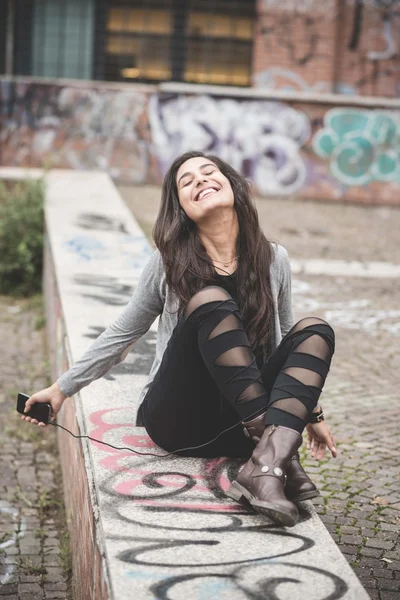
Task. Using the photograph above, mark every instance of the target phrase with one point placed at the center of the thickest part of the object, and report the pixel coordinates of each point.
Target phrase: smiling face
(202, 188)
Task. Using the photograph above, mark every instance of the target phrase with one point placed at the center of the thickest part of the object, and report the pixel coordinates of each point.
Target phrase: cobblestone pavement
(34, 556)
(360, 489)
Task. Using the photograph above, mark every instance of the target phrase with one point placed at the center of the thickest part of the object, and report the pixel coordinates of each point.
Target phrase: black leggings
(208, 379)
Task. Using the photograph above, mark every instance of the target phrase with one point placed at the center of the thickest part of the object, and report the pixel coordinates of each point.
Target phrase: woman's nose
(201, 179)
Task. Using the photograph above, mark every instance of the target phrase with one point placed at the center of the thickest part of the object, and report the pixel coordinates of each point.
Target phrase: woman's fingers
(321, 451)
(30, 402)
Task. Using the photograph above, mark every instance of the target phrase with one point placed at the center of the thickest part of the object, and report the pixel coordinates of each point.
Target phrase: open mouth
(205, 193)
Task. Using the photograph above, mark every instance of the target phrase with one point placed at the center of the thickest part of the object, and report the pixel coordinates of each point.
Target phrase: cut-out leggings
(208, 379)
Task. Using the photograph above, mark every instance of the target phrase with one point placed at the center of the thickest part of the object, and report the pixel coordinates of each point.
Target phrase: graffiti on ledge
(183, 521)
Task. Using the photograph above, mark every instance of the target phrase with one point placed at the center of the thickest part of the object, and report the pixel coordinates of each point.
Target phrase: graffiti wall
(349, 47)
(284, 148)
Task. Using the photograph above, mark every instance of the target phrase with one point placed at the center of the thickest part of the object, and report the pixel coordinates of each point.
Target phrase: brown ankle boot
(299, 486)
(261, 480)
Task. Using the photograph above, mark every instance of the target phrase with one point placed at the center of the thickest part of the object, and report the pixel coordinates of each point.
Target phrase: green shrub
(21, 238)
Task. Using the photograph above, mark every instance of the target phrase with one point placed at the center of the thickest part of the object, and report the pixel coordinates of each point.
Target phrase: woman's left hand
(319, 437)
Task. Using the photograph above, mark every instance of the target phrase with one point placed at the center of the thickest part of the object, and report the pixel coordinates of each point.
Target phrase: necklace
(226, 264)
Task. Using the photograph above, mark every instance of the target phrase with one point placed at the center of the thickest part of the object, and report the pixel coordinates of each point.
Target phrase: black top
(228, 283)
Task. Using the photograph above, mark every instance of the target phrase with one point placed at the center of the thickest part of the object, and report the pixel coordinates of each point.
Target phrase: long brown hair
(188, 267)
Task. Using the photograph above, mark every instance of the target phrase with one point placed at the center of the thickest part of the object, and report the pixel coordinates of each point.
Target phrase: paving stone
(386, 573)
(368, 582)
(351, 539)
(389, 595)
(55, 587)
(388, 584)
(393, 554)
(19, 477)
(377, 543)
(374, 552)
(54, 575)
(29, 588)
(373, 593)
(349, 529)
(390, 527)
(8, 589)
(349, 550)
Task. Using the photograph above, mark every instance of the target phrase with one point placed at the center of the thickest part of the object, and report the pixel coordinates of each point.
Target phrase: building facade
(324, 46)
(300, 96)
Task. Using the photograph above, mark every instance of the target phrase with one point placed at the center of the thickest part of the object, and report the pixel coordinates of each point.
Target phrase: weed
(40, 534)
(65, 554)
(26, 565)
(20, 496)
(46, 502)
(24, 434)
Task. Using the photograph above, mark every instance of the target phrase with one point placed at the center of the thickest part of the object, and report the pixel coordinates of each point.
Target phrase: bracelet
(317, 417)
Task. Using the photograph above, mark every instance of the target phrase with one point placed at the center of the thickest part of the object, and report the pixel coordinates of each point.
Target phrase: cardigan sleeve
(111, 347)
(285, 291)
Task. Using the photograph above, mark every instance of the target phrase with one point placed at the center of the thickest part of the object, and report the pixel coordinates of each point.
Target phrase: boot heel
(236, 492)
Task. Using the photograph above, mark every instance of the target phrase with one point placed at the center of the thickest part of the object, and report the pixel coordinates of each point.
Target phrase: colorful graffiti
(183, 523)
(260, 139)
(135, 135)
(361, 146)
(79, 127)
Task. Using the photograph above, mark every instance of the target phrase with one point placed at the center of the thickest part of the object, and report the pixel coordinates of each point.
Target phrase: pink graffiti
(198, 497)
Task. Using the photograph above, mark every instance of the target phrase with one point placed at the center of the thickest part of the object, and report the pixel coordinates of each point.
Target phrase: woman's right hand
(52, 395)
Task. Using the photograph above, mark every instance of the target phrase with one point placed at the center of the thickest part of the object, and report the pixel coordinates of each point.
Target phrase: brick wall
(88, 581)
(339, 46)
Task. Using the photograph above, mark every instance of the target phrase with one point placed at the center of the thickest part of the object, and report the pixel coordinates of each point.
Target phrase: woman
(232, 375)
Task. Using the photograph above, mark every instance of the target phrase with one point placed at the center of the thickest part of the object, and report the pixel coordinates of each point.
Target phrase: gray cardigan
(153, 298)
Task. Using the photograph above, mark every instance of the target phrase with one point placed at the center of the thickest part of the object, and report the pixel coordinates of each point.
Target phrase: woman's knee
(326, 332)
(211, 293)
(308, 322)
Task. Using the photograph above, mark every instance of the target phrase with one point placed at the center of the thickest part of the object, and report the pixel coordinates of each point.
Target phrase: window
(62, 38)
(219, 44)
(139, 41)
(199, 41)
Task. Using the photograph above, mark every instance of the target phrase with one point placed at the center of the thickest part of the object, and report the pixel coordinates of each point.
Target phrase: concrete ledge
(151, 527)
(169, 87)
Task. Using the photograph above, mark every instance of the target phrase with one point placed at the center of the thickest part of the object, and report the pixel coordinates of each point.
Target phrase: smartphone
(40, 411)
